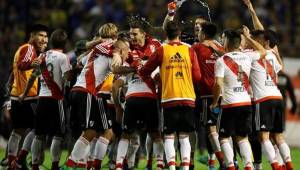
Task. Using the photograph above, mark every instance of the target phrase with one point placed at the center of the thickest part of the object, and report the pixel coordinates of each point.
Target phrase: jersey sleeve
(219, 68)
(26, 56)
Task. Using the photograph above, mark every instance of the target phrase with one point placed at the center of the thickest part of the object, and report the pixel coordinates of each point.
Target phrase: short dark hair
(172, 30)
(272, 36)
(257, 33)
(233, 37)
(37, 28)
(209, 29)
(58, 39)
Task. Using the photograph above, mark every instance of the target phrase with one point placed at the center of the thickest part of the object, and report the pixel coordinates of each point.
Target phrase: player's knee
(89, 134)
(20, 131)
(278, 138)
(155, 136)
(241, 138)
(108, 134)
(212, 129)
(263, 136)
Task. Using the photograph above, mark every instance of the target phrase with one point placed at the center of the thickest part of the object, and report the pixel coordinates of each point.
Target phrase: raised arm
(262, 51)
(255, 20)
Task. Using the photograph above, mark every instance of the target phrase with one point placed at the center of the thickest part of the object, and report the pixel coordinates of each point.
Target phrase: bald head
(121, 47)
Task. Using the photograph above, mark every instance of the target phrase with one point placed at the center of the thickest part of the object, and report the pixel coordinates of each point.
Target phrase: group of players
(127, 84)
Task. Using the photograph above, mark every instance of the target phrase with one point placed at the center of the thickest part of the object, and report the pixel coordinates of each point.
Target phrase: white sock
(149, 144)
(278, 156)
(36, 150)
(268, 150)
(92, 150)
(13, 144)
(246, 152)
(158, 151)
(28, 141)
(228, 152)
(56, 148)
(132, 149)
(122, 150)
(214, 140)
(185, 151)
(170, 151)
(100, 148)
(285, 152)
(80, 150)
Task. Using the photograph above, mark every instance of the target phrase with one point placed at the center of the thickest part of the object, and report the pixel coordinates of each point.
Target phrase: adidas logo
(179, 74)
(263, 126)
(176, 58)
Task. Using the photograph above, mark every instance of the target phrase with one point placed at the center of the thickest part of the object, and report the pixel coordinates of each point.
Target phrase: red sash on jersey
(53, 87)
(269, 69)
(234, 67)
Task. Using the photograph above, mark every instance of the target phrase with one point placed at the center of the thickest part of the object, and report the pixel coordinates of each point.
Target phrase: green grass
(142, 163)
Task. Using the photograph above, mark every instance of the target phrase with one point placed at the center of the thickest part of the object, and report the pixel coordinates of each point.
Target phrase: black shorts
(50, 117)
(116, 127)
(178, 119)
(270, 116)
(23, 114)
(236, 121)
(207, 117)
(141, 113)
(89, 112)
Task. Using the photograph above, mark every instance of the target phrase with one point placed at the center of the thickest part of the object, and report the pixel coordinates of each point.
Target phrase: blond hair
(108, 30)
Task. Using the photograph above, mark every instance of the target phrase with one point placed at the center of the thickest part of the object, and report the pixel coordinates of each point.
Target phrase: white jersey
(235, 68)
(136, 86)
(263, 77)
(94, 73)
(56, 64)
(96, 68)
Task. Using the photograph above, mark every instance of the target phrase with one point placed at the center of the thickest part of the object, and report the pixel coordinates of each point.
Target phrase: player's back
(52, 79)
(206, 59)
(235, 68)
(263, 77)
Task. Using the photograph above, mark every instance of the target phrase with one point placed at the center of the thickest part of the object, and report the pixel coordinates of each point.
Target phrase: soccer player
(269, 103)
(232, 81)
(89, 109)
(208, 51)
(179, 71)
(22, 114)
(54, 74)
(140, 97)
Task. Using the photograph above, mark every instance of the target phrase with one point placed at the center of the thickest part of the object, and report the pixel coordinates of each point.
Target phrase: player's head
(271, 38)
(137, 33)
(259, 36)
(108, 30)
(208, 31)
(172, 30)
(232, 40)
(198, 22)
(122, 48)
(58, 39)
(39, 37)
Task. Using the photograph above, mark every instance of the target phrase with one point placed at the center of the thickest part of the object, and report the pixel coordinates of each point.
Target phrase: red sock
(275, 166)
(119, 165)
(220, 157)
(211, 162)
(149, 162)
(248, 168)
(230, 168)
(97, 164)
(35, 167)
(55, 165)
(89, 165)
(22, 156)
(289, 166)
(10, 158)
